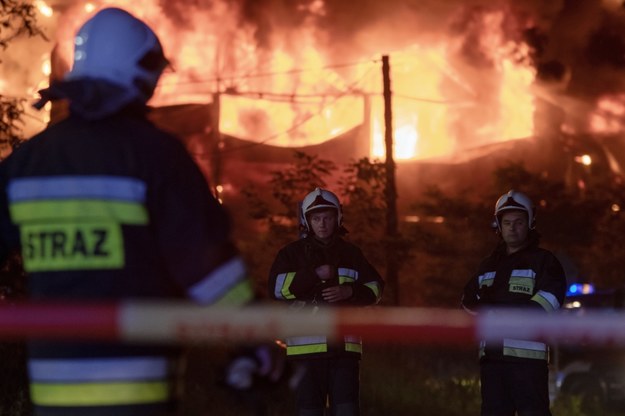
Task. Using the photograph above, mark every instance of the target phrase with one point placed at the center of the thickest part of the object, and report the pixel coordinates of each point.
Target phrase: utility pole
(390, 192)
(216, 145)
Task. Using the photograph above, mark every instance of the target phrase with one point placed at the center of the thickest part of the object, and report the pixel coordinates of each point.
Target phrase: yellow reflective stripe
(62, 246)
(547, 300)
(306, 349)
(353, 347)
(50, 210)
(238, 295)
(375, 288)
(98, 394)
(285, 290)
(344, 279)
(543, 302)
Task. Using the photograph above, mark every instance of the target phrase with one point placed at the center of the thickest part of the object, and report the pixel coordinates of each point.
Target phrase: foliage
(361, 190)
(279, 217)
(364, 207)
(450, 238)
(11, 111)
(17, 18)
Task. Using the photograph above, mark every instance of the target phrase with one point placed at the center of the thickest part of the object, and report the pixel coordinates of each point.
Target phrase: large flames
(289, 91)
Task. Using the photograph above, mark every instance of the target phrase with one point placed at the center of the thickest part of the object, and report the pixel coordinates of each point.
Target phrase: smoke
(577, 47)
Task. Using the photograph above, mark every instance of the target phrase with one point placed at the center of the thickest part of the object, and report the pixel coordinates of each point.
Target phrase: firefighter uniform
(531, 277)
(106, 210)
(103, 207)
(293, 280)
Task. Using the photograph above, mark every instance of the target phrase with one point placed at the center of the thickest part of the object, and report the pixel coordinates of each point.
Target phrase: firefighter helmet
(117, 47)
(320, 199)
(514, 200)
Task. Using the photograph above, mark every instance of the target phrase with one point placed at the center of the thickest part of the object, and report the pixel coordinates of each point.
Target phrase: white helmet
(117, 47)
(320, 199)
(514, 200)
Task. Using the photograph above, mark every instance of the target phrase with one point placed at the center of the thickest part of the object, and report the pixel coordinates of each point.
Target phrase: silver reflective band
(69, 187)
(528, 273)
(218, 282)
(98, 369)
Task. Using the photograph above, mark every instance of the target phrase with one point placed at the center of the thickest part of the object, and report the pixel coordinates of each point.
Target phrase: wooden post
(391, 189)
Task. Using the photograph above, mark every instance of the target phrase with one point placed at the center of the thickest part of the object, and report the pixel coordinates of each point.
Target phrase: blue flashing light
(580, 289)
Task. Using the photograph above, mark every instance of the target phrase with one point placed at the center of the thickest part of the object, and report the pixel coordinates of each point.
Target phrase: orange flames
(293, 94)
(608, 117)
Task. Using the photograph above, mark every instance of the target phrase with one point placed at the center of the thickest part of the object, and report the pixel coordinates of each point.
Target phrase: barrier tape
(173, 322)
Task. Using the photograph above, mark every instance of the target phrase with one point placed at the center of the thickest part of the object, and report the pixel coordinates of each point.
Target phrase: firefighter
(103, 207)
(517, 274)
(323, 270)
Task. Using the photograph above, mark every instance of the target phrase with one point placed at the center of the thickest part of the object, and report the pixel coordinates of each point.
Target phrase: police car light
(580, 289)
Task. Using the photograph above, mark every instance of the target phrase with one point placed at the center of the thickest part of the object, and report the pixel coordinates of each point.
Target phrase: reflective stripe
(306, 345)
(293, 341)
(319, 344)
(520, 349)
(78, 210)
(525, 349)
(375, 287)
(72, 187)
(347, 274)
(98, 369)
(526, 273)
(98, 394)
(283, 285)
(486, 279)
(546, 300)
(353, 343)
(219, 282)
(350, 346)
(241, 294)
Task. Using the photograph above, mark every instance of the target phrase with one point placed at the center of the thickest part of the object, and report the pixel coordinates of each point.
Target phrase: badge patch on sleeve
(53, 247)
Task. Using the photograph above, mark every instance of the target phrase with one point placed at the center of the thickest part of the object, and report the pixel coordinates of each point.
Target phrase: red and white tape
(172, 322)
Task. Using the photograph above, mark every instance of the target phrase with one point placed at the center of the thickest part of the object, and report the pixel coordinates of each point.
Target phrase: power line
(302, 122)
(272, 74)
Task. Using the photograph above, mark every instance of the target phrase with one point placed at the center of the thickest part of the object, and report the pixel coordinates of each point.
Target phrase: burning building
(474, 82)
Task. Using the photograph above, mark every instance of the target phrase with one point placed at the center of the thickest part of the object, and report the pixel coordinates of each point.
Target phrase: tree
(17, 19)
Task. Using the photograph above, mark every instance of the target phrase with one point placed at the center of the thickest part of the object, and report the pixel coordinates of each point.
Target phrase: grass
(395, 380)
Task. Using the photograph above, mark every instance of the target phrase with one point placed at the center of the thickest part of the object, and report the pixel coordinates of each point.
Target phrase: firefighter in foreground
(104, 207)
(518, 274)
(320, 270)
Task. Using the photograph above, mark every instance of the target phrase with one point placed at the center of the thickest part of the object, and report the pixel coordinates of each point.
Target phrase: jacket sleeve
(550, 284)
(290, 281)
(193, 233)
(369, 287)
(470, 297)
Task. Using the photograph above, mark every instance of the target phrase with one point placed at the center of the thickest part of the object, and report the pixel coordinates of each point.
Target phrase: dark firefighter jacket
(105, 210)
(293, 279)
(530, 278)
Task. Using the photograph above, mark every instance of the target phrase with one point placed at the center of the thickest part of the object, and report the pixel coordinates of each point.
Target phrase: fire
(607, 118)
(289, 91)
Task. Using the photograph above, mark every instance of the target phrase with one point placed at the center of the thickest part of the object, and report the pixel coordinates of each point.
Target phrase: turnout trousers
(509, 387)
(333, 381)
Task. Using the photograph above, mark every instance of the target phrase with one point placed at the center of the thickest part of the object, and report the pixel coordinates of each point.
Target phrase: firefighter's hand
(337, 293)
(325, 272)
